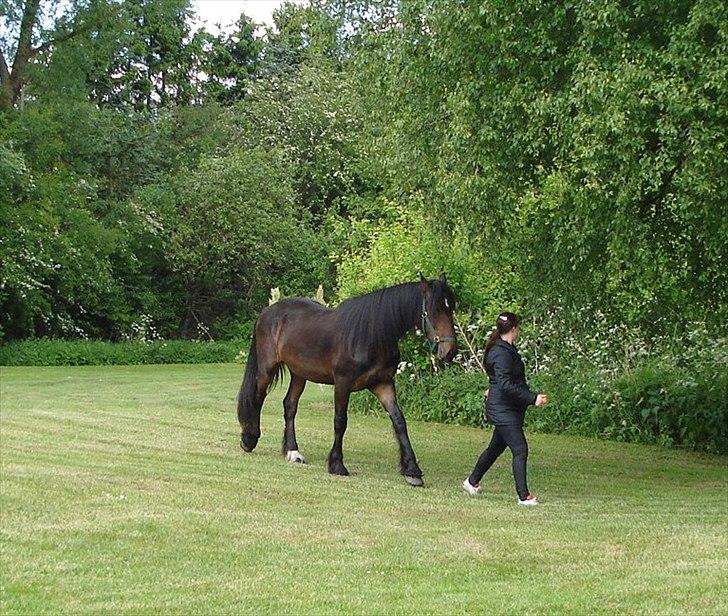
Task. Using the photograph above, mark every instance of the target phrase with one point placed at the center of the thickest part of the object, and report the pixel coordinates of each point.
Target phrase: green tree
(59, 262)
(231, 61)
(149, 57)
(303, 35)
(309, 118)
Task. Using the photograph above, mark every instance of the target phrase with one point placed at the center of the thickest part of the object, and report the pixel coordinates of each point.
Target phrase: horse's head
(438, 304)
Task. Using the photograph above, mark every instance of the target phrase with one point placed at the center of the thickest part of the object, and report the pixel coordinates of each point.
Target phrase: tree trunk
(6, 91)
(14, 80)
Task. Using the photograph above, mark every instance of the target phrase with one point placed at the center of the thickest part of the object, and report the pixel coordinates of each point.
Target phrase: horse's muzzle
(450, 355)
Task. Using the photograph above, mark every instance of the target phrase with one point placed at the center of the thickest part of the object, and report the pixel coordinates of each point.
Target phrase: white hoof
(295, 456)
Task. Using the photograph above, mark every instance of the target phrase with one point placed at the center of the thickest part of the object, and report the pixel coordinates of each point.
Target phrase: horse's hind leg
(290, 407)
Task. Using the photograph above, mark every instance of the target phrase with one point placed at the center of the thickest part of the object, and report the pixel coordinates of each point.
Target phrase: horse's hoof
(414, 481)
(295, 456)
(248, 442)
(339, 470)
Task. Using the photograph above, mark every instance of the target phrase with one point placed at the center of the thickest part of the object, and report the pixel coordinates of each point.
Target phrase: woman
(506, 401)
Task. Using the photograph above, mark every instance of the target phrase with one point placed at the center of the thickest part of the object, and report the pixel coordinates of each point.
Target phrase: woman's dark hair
(505, 322)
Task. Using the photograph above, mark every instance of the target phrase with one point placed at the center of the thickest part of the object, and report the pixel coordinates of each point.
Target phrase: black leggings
(505, 436)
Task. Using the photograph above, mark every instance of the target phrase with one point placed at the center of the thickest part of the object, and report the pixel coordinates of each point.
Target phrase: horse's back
(303, 303)
(294, 308)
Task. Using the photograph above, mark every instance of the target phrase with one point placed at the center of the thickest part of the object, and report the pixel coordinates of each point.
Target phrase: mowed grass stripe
(124, 490)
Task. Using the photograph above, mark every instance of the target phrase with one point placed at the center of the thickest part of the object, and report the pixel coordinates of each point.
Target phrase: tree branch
(12, 85)
(26, 34)
(473, 352)
(60, 39)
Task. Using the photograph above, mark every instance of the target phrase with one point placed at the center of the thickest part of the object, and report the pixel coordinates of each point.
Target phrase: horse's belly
(317, 377)
(372, 377)
(315, 371)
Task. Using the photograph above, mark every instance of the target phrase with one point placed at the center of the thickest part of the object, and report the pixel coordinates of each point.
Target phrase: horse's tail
(249, 403)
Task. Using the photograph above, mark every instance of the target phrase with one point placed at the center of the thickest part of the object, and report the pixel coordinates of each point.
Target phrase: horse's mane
(377, 320)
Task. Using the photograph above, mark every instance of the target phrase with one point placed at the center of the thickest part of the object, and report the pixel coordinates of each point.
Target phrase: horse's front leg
(341, 405)
(407, 461)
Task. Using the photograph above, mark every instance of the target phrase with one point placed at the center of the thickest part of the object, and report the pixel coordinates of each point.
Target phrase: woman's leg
(496, 447)
(516, 440)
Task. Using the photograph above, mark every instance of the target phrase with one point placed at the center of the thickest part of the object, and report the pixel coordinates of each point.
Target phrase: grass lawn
(124, 490)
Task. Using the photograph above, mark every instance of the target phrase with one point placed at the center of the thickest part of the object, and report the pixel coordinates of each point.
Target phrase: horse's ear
(424, 284)
(442, 277)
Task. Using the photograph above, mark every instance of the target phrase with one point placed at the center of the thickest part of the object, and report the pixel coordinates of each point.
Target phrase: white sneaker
(471, 489)
(529, 501)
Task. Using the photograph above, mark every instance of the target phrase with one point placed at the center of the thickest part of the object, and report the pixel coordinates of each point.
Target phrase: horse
(352, 347)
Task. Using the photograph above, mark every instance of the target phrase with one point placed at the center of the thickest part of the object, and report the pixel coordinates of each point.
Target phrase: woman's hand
(541, 400)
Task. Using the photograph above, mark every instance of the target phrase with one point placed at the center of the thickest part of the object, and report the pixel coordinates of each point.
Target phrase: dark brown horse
(352, 347)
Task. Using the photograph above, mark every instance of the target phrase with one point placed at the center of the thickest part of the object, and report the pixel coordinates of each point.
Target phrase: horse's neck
(412, 313)
(388, 321)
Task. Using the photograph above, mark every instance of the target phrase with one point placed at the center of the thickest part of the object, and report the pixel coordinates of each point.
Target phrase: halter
(428, 327)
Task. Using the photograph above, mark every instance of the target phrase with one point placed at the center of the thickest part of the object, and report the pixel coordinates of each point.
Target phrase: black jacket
(509, 395)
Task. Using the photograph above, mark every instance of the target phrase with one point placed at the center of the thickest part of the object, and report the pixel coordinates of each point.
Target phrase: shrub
(608, 381)
(87, 353)
(616, 383)
(451, 396)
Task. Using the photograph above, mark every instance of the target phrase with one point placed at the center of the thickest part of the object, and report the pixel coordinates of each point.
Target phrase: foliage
(105, 141)
(133, 55)
(308, 119)
(583, 144)
(46, 352)
(303, 35)
(33, 30)
(75, 250)
(231, 61)
(452, 396)
(613, 383)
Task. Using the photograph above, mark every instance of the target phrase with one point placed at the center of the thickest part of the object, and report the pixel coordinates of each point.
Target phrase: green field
(124, 490)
